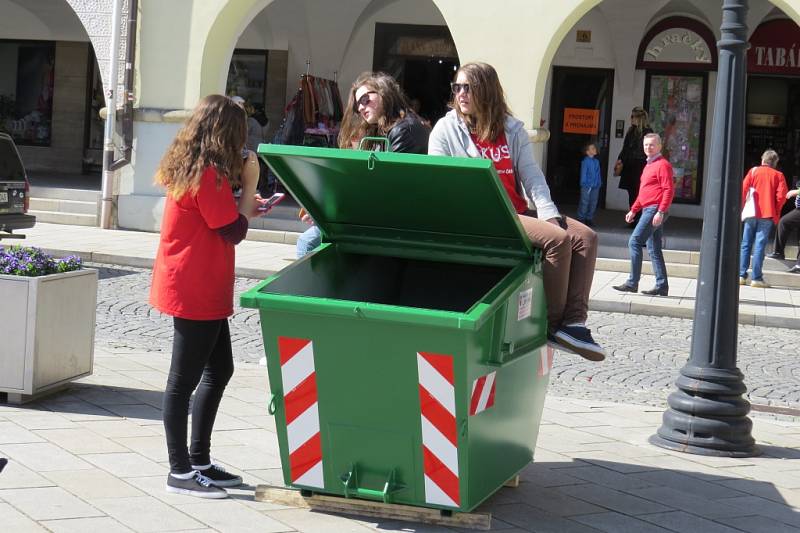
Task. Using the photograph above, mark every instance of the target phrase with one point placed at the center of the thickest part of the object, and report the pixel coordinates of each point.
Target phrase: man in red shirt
(655, 196)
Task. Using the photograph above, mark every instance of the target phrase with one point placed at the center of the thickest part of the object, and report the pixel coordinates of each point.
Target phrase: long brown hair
(488, 101)
(394, 102)
(213, 136)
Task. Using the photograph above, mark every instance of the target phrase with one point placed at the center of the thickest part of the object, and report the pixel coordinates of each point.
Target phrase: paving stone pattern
(644, 353)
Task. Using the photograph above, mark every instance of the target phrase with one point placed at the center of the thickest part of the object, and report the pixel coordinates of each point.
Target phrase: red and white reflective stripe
(302, 416)
(482, 396)
(439, 436)
(546, 361)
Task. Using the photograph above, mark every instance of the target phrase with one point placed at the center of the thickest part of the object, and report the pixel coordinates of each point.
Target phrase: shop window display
(676, 103)
(26, 90)
(247, 76)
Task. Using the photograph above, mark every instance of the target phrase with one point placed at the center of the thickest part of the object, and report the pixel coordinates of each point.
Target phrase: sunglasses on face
(458, 87)
(364, 100)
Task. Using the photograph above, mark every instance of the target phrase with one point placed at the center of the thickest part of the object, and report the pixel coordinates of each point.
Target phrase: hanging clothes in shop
(311, 117)
(314, 112)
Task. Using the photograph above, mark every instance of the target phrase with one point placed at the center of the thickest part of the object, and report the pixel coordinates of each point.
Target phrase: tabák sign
(775, 48)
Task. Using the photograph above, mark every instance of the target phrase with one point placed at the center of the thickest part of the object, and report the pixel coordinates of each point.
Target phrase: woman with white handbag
(763, 194)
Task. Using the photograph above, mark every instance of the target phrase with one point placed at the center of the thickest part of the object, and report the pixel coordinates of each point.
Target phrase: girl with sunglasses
(379, 108)
(481, 125)
(376, 107)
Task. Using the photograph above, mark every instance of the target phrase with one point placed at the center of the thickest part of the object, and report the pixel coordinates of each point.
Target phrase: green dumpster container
(406, 355)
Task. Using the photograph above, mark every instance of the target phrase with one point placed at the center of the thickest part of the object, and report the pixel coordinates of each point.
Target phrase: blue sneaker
(578, 339)
(553, 343)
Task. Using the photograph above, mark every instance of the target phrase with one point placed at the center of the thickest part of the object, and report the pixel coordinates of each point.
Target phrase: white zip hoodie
(451, 137)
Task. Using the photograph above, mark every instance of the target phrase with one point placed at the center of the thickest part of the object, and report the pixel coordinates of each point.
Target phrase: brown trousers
(567, 267)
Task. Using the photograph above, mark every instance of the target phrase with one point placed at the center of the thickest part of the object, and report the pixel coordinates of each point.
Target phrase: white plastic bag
(749, 209)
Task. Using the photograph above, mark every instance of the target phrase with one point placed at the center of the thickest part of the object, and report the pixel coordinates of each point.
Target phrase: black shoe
(626, 288)
(197, 485)
(795, 269)
(655, 291)
(776, 255)
(3, 463)
(579, 340)
(219, 476)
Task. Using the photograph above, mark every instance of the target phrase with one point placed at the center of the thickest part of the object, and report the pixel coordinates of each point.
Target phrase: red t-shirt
(193, 270)
(500, 155)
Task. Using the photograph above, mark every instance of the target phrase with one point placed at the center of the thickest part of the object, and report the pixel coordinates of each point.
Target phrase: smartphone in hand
(269, 203)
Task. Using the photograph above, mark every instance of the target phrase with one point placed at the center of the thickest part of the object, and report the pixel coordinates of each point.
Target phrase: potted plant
(47, 319)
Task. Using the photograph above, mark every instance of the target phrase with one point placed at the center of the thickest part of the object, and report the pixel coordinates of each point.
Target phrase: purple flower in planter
(29, 261)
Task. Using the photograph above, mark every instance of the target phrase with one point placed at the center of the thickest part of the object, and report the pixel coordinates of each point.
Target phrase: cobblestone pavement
(644, 353)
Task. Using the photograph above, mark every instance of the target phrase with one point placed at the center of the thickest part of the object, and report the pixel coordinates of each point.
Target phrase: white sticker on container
(525, 301)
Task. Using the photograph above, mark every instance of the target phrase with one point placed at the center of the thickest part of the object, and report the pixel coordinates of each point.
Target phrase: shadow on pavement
(111, 273)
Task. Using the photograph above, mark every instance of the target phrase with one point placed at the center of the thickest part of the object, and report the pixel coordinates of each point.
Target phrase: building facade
(573, 67)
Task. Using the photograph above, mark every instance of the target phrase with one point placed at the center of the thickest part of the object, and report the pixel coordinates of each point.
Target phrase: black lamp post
(708, 414)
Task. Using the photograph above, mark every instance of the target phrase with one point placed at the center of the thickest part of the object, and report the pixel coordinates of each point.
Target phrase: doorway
(423, 60)
(583, 96)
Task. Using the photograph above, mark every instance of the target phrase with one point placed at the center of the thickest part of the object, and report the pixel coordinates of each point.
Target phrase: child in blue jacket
(590, 185)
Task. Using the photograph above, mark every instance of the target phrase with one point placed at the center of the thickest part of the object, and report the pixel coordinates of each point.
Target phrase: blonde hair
(639, 119)
(213, 136)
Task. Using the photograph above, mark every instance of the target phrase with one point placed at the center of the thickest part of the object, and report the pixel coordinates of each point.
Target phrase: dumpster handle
(383, 140)
(351, 488)
(272, 407)
(510, 352)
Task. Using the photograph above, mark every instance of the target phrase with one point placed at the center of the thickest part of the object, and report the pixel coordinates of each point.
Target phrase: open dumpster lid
(401, 200)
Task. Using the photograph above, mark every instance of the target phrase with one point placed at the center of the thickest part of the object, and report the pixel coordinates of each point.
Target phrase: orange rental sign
(577, 120)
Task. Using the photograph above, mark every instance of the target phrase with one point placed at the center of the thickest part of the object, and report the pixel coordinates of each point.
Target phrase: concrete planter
(46, 332)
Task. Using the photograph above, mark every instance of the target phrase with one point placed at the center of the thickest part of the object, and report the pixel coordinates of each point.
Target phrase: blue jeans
(588, 202)
(308, 240)
(754, 229)
(646, 232)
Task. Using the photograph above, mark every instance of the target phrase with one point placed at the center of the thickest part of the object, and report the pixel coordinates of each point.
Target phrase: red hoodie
(771, 189)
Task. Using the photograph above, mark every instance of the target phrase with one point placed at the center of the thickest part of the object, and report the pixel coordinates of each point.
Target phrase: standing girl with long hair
(480, 124)
(193, 279)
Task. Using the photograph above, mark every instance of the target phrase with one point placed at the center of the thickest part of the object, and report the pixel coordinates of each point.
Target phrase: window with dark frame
(27, 73)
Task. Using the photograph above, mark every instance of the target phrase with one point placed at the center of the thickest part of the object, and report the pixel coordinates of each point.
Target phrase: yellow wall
(185, 47)
(520, 47)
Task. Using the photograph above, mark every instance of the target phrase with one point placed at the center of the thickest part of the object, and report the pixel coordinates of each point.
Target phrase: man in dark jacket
(788, 223)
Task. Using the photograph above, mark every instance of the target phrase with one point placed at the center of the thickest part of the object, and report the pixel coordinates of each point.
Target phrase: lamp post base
(708, 415)
(661, 442)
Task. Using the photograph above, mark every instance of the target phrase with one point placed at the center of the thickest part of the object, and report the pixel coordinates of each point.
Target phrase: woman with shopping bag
(763, 194)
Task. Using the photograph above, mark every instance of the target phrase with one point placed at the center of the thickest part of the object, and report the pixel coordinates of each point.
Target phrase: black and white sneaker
(198, 485)
(579, 340)
(553, 343)
(218, 475)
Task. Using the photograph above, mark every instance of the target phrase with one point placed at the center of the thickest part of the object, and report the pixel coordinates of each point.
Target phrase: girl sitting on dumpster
(193, 279)
(376, 107)
(481, 125)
